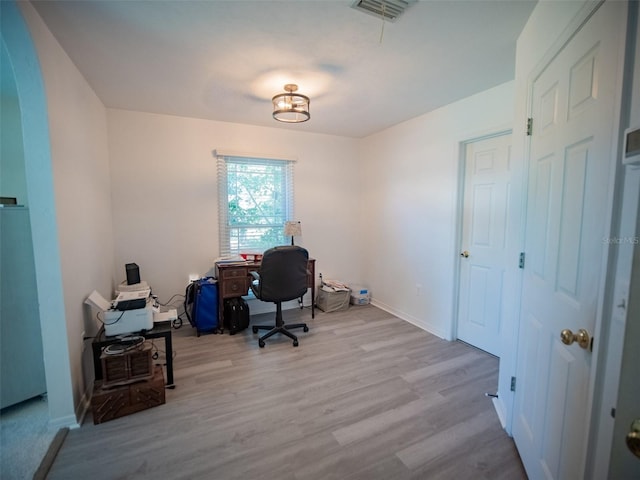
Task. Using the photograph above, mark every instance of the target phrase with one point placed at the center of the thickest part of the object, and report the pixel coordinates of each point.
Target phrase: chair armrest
(255, 275)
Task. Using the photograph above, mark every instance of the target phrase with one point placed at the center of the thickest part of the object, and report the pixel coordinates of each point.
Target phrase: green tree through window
(255, 202)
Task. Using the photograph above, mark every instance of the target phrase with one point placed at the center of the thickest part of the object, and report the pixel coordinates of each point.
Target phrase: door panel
(573, 203)
(570, 168)
(486, 202)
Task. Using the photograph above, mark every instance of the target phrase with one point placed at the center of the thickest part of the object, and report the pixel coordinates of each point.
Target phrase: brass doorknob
(465, 254)
(633, 437)
(582, 337)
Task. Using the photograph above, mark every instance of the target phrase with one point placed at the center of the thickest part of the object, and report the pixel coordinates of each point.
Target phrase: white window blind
(255, 200)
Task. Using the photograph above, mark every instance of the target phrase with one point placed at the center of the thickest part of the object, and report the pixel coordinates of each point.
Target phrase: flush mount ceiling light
(291, 107)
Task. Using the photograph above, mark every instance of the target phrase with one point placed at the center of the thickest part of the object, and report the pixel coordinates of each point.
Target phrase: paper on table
(334, 285)
(98, 301)
(230, 259)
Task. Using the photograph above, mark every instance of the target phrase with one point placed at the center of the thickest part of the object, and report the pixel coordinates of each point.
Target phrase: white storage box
(359, 290)
(360, 295)
(359, 299)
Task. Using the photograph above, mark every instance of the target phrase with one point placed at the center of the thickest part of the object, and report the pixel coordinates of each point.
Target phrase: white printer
(117, 322)
(119, 316)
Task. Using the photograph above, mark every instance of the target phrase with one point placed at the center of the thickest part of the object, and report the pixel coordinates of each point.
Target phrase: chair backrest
(283, 273)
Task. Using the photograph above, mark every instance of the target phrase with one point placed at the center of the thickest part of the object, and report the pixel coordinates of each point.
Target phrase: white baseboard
(83, 407)
(412, 320)
(69, 421)
(501, 411)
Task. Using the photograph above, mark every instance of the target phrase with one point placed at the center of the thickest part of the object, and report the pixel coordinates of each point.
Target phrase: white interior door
(487, 181)
(570, 167)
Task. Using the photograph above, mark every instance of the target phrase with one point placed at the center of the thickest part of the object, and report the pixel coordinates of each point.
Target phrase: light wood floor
(365, 396)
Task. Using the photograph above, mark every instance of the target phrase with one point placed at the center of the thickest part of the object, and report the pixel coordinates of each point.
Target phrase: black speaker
(133, 273)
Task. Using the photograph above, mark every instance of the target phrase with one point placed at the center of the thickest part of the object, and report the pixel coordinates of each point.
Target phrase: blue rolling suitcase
(201, 305)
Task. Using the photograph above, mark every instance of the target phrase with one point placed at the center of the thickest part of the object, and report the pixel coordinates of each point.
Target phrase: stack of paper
(334, 286)
(233, 259)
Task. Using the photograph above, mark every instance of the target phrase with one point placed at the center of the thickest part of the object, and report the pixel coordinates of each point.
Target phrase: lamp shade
(291, 107)
(293, 229)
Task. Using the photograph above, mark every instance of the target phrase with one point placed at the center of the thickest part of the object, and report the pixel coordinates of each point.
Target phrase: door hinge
(513, 384)
(529, 126)
(521, 260)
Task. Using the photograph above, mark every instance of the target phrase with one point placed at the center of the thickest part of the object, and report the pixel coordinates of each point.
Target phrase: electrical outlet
(418, 289)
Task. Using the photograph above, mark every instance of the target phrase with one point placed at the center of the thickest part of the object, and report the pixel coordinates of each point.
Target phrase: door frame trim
(17, 39)
(459, 209)
(599, 458)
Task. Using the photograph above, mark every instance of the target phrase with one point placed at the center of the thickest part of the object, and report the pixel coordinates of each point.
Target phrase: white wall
(165, 199)
(410, 177)
(82, 190)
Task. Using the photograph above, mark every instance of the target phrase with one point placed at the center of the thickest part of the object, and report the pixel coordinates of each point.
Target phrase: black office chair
(282, 277)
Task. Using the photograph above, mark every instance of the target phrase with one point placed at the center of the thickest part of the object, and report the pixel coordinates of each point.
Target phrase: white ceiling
(224, 60)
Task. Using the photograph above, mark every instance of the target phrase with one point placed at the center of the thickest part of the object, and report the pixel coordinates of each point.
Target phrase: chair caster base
(278, 328)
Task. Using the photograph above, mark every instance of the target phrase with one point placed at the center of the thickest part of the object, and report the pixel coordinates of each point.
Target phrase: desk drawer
(234, 287)
(234, 273)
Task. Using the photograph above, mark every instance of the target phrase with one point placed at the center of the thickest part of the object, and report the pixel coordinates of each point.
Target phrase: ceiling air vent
(387, 9)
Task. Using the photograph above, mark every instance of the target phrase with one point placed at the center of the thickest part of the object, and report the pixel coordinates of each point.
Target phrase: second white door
(487, 183)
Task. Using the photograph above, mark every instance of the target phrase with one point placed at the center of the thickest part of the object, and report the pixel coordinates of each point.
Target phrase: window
(255, 200)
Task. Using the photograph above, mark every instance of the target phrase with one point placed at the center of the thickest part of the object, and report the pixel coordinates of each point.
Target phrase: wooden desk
(159, 330)
(235, 281)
